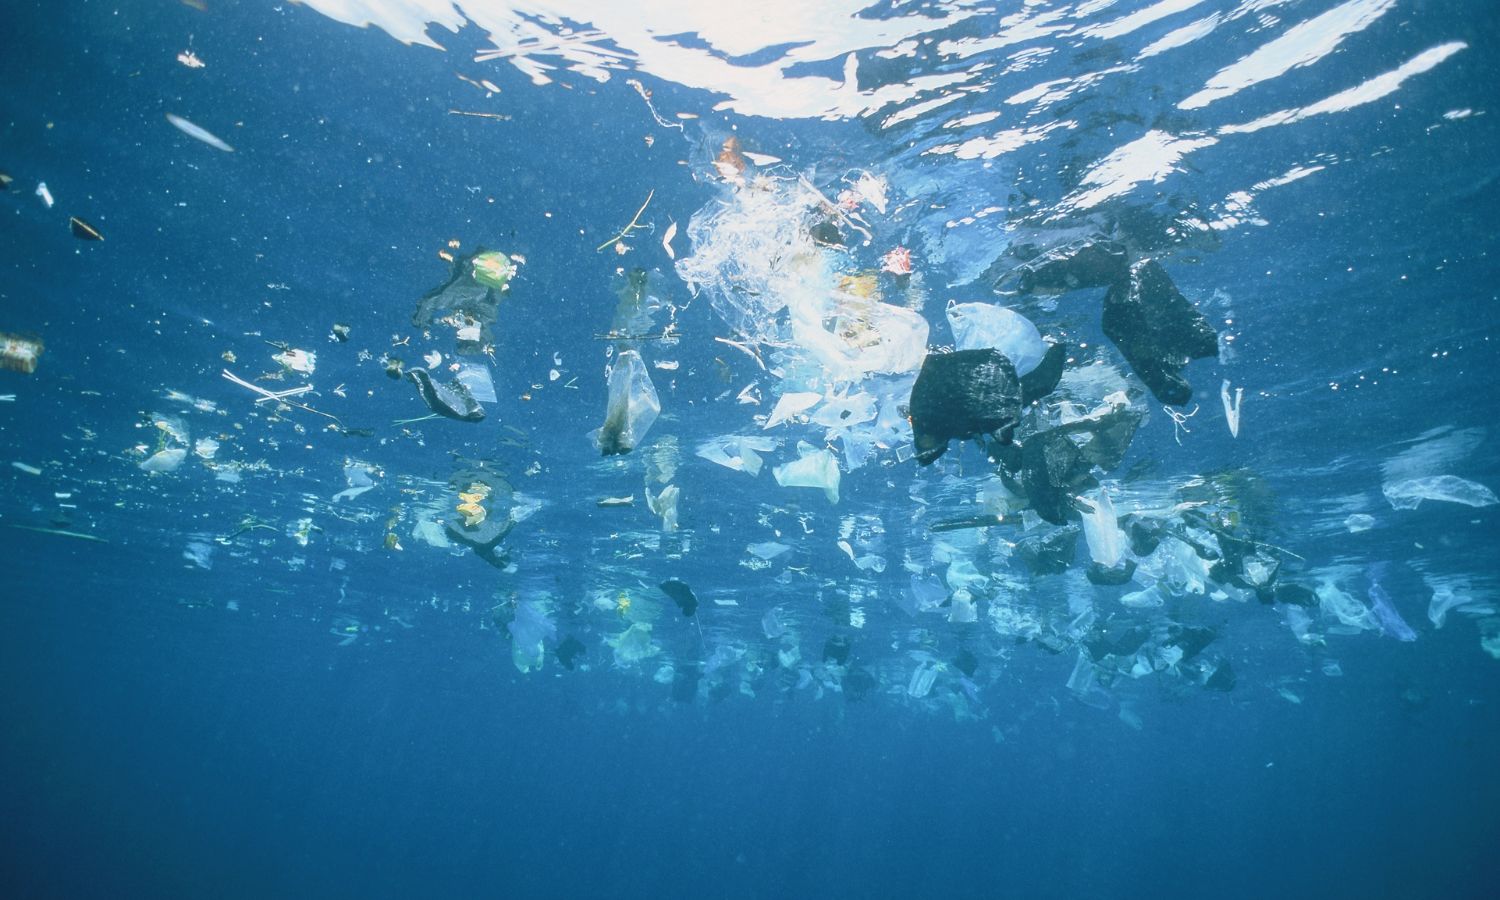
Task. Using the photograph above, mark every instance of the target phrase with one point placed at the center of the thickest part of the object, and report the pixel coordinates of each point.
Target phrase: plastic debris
(737, 452)
(44, 194)
(530, 629)
(197, 133)
(964, 394)
(19, 354)
(468, 303)
(791, 405)
(359, 476)
(1390, 621)
(1157, 330)
(978, 326)
(452, 400)
(633, 645)
(814, 468)
(483, 513)
(83, 230)
(680, 594)
(1409, 494)
(492, 269)
(303, 362)
(477, 379)
(1232, 409)
(1091, 262)
(164, 460)
(632, 408)
(1101, 529)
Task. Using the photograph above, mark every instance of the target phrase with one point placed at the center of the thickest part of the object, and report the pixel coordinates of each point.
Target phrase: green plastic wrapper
(493, 269)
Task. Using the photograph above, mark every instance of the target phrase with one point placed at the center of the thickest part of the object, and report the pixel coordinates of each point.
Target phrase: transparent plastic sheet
(530, 630)
(1101, 529)
(752, 255)
(814, 468)
(632, 408)
(977, 326)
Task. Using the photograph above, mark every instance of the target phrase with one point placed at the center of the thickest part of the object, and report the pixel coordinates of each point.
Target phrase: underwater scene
(568, 448)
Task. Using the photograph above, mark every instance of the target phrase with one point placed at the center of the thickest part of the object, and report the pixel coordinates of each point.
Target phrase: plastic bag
(633, 406)
(979, 326)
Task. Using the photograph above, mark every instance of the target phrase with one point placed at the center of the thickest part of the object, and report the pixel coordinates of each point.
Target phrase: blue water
(240, 689)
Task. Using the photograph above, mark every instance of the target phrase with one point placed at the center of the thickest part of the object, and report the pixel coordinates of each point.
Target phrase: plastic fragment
(1410, 493)
(197, 133)
(451, 400)
(164, 460)
(1232, 410)
(977, 326)
(814, 468)
(632, 407)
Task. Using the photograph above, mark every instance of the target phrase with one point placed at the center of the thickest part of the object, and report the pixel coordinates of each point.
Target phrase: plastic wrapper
(164, 460)
(633, 406)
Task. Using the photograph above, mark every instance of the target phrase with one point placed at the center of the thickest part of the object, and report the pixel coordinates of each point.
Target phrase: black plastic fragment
(1042, 380)
(681, 594)
(858, 684)
(1190, 639)
(962, 395)
(1157, 330)
(452, 400)
(1052, 472)
(1111, 577)
(1090, 262)
(1051, 553)
(1295, 594)
(569, 651)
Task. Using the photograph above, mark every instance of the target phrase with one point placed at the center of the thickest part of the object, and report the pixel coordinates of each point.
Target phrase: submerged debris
(1157, 330)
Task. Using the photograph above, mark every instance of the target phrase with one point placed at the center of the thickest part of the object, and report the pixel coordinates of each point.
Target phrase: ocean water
(274, 626)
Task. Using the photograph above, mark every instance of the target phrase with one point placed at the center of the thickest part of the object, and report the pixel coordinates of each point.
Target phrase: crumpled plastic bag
(978, 326)
(633, 406)
(814, 468)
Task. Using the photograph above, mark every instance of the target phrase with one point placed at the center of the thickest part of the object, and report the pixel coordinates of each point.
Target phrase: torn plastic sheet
(738, 452)
(451, 400)
(790, 405)
(1391, 623)
(359, 476)
(1232, 408)
(476, 377)
(164, 460)
(814, 468)
(1410, 493)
